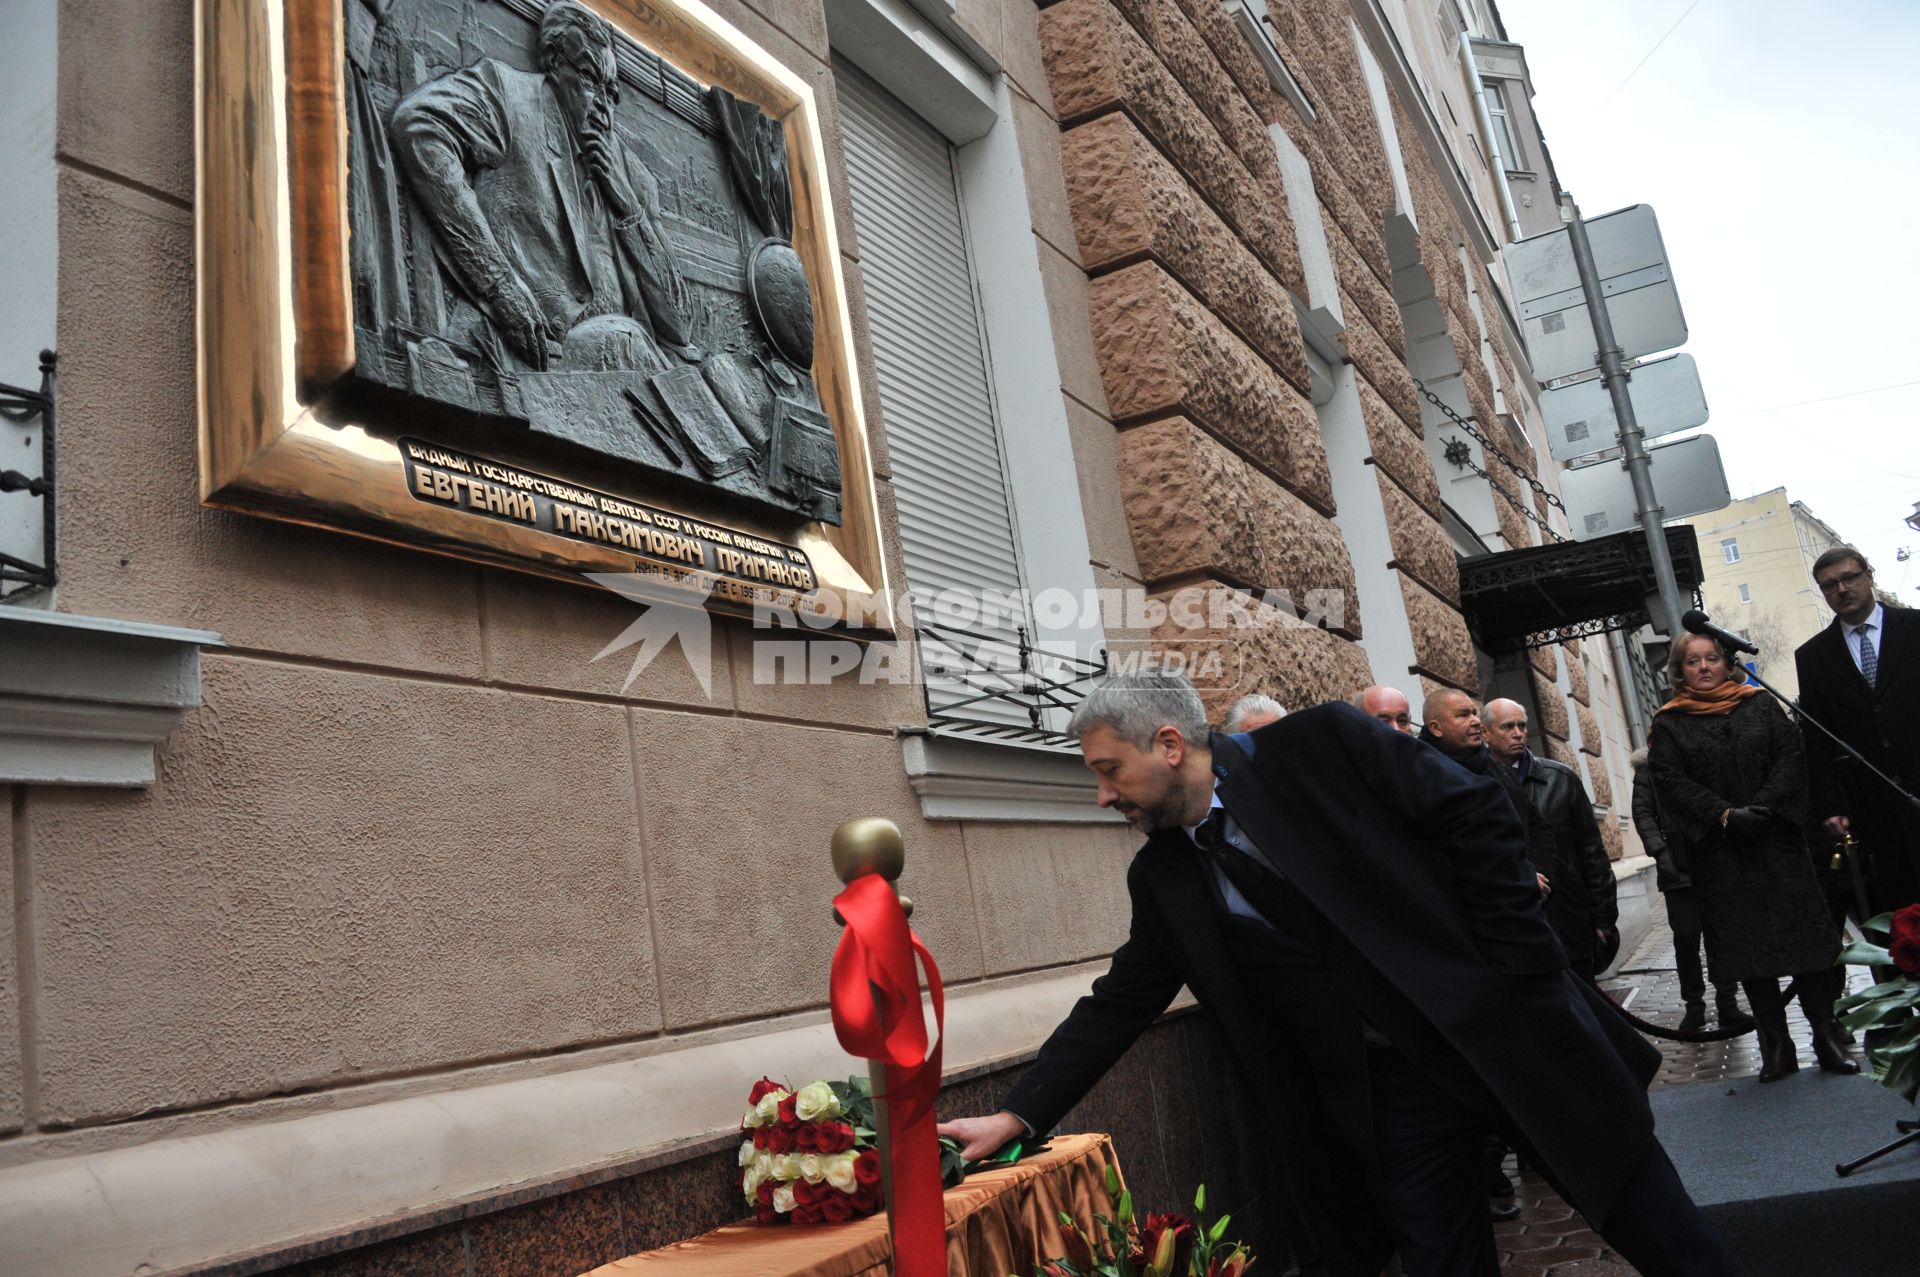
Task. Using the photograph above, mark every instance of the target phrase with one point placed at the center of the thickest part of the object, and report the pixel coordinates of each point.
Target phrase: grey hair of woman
(1252, 705)
(1135, 706)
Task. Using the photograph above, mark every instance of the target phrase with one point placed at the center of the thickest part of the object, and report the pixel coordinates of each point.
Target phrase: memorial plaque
(583, 243)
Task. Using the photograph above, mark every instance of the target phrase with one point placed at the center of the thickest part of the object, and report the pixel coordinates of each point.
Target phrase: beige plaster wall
(417, 830)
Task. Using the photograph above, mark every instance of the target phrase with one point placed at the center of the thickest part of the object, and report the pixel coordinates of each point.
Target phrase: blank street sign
(1666, 398)
(1688, 479)
(1634, 278)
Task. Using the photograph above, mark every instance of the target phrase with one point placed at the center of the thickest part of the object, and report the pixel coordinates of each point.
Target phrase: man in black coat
(1453, 726)
(1584, 907)
(1356, 914)
(1860, 677)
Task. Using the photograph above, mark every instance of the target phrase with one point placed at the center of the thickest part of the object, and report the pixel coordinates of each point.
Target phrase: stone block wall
(1184, 233)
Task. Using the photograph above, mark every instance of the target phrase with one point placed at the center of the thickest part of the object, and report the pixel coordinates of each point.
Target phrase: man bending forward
(1357, 915)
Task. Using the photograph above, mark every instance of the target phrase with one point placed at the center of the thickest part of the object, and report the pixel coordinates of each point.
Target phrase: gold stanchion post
(873, 845)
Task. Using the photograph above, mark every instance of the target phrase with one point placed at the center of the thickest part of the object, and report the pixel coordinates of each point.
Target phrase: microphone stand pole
(1793, 707)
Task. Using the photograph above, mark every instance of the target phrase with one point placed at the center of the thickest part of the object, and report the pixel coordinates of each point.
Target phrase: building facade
(1758, 557)
(375, 910)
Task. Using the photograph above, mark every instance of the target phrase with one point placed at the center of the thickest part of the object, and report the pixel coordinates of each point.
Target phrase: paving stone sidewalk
(1549, 1239)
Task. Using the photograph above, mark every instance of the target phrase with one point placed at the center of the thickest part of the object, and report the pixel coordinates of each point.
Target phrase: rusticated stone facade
(1190, 248)
(1553, 709)
(1577, 682)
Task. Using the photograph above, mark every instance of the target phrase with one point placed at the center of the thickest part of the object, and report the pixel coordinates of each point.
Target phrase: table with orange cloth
(999, 1222)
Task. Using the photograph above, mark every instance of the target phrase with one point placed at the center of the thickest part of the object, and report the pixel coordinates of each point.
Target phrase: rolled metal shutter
(957, 526)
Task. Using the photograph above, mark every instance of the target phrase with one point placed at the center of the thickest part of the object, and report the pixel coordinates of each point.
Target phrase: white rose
(816, 1099)
(768, 1109)
(840, 1171)
(747, 1150)
(785, 1166)
(751, 1120)
(812, 1167)
(783, 1198)
(751, 1184)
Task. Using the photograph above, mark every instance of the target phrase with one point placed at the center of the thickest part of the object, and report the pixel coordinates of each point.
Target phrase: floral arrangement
(1157, 1246)
(811, 1156)
(1887, 1016)
(801, 1161)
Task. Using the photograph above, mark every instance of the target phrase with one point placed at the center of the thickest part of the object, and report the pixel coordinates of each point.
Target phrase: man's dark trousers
(1429, 1145)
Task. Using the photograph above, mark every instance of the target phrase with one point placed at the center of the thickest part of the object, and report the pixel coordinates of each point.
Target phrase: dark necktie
(1263, 889)
(1869, 659)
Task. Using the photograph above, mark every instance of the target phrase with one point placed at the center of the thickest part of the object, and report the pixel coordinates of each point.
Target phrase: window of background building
(1731, 549)
(1746, 595)
(1502, 128)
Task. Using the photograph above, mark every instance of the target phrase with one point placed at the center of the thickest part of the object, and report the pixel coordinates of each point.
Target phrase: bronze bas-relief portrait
(551, 226)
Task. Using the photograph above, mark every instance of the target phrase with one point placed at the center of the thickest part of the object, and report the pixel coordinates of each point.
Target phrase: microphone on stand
(1695, 622)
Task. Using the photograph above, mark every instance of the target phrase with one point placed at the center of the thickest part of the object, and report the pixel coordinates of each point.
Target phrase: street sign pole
(1613, 369)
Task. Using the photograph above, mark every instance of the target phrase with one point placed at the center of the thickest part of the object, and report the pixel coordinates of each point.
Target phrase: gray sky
(1780, 145)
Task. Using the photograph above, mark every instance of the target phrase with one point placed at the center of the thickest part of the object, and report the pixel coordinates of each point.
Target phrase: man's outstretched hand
(980, 1136)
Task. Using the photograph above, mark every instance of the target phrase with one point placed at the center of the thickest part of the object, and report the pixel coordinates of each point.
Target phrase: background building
(360, 919)
(1758, 558)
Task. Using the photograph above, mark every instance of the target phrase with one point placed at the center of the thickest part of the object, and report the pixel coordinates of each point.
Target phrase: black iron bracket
(23, 407)
(946, 649)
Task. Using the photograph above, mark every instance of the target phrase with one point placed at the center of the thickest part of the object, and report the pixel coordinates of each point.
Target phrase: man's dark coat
(1418, 865)
(1584, 892)
(1883, 723)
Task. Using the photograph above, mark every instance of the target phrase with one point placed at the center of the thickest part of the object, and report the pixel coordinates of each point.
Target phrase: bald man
(1387, 704)
(1583, 908)
(1454, 727)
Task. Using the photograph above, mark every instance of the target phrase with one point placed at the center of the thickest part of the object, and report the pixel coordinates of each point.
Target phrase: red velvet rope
(877, 1016)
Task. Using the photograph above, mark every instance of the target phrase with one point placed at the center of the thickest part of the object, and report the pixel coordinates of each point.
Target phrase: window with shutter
(957, 528)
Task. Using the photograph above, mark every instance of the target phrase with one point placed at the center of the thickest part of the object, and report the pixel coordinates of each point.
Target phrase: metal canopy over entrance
(1548, 593)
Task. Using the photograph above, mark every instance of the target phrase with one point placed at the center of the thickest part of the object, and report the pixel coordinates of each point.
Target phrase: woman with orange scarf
(1731, 778)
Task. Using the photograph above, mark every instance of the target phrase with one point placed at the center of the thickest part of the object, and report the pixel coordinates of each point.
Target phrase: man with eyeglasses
(1860, 677)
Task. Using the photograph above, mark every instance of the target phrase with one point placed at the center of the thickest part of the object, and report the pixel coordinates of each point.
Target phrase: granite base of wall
(1175, 1106)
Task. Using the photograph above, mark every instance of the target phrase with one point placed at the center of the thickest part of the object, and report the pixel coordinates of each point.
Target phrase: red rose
(764, 1194)
(788, 1117)
(804, 1193)
(866, 1199)
(843, 1137)
(1904, 946)
(866, 1167)
(806, 1215)
(766, 1214)
(779, 1139)
(760, 1089)
(836, 1208)
(759, 1137)
(807, 1138)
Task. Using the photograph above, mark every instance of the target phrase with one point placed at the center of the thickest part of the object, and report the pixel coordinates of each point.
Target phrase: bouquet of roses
(810, 1155)
(1888, 1015)
(1157, 1246)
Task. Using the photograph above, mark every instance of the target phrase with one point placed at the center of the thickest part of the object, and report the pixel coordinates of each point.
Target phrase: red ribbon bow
(877, 1015)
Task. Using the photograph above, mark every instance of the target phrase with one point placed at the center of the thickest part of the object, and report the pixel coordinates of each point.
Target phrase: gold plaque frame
(274, 305)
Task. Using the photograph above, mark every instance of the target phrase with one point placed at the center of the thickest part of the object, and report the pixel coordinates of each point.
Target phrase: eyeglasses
(1833, 583)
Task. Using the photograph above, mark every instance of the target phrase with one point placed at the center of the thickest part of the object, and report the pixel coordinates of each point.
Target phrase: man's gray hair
(1135, 706)
(1253, 703)
(573, 33)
